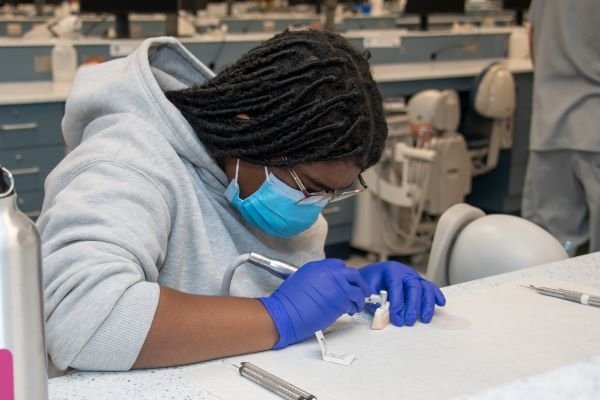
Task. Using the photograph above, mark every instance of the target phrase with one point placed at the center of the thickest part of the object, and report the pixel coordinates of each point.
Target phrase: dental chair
(470, 245)
(427, 165)
(488, 123)
(413, 184)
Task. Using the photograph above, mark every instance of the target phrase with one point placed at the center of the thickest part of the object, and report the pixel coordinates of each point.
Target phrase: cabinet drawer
(31, 166)
(341, 212)
(30, 203)
(30, 125)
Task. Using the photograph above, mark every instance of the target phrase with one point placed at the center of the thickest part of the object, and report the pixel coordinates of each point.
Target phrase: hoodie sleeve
(104, 231)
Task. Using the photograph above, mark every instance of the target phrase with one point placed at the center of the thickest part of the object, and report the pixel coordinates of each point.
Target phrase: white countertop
(442, 69)
(85, 17)
(98, 41)
(254, 36)
(43, 91)
(20, 18)
(33, 92)
(577, 379)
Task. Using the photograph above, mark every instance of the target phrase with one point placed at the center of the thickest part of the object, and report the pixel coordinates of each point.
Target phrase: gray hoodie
(138, 203)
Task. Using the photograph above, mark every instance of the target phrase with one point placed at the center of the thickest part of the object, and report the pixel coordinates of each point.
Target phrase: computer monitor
(519, 6)
(425, 7)
(122, 8)
(194, 5)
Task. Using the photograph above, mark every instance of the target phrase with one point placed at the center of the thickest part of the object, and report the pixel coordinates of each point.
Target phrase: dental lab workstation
(299, 199)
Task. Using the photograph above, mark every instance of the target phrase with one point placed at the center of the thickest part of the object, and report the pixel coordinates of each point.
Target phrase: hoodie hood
(135, 85)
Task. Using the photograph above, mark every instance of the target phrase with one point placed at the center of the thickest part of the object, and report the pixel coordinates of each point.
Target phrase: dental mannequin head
(432, 112)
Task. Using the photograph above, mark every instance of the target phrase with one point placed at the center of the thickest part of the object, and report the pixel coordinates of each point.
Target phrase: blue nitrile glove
(409, 294)
(313, 297)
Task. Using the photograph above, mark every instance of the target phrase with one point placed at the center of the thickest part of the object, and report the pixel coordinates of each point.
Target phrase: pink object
(7, 390)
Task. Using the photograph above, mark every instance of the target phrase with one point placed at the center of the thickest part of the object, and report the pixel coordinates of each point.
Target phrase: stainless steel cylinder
(22, 342)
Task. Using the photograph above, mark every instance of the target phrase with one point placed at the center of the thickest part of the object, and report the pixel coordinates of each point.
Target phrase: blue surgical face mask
(274, 207)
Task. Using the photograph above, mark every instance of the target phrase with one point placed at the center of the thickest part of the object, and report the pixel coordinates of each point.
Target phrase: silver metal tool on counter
(272, 383)
(578, 297)
(23, 362)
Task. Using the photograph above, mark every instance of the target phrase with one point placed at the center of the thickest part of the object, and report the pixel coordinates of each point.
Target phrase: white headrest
(439, 108)
(494, 244)
(495, 93)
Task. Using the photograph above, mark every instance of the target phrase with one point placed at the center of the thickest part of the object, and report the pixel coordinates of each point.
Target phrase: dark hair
(309, 94)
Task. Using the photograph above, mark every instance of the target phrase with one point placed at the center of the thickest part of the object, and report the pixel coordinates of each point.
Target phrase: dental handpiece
(284, 270)
(272, 383)
(280, 269)
(577, 297)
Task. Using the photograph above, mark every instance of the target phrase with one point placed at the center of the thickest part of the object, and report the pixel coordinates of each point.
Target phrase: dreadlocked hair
(309, 96)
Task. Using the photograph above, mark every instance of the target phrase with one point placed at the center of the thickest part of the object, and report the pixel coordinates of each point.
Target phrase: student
(174, 172)
(562, 185)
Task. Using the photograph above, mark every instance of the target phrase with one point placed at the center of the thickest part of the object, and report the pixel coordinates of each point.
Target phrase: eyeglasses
(331, 196)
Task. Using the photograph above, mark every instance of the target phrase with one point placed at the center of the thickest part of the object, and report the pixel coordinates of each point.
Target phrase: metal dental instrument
(270, 382)
(278, 268)
(577, 297)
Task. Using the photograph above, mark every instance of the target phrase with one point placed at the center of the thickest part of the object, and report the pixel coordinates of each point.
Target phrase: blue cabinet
(31, 145)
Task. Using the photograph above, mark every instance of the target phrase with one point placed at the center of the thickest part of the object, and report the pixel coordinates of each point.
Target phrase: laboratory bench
(16, 26)
(29, 59)
(140, 25)
(144, 25)
(442, 22)
(268, 23)
(492, 340)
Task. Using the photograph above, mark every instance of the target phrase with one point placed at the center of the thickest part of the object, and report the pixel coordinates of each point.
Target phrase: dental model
(381, 317)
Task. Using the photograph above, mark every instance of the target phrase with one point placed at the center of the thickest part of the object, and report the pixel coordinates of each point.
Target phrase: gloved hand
(313, 297)
(409, 294)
